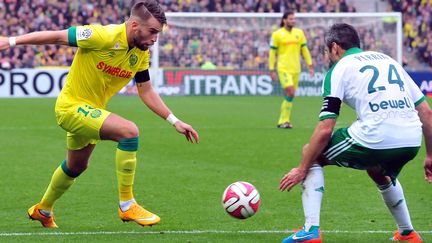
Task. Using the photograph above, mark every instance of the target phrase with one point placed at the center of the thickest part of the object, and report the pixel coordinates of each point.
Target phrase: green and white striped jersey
(383, 95)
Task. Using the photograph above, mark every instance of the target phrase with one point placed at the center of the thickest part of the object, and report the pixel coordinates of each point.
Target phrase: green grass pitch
(183, 183)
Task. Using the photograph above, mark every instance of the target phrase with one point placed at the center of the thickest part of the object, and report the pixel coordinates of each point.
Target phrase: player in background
(385, 99)
(108, 57)
(288, 42)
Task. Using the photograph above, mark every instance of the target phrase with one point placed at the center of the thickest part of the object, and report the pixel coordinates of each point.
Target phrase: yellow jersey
(288, 45)
(102, 66)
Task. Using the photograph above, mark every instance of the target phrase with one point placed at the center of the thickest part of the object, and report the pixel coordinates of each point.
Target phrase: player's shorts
(288, 79)
(82, 123)
(343, 150)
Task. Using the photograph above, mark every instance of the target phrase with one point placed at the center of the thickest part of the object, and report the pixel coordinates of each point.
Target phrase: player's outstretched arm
(311, 152)
(59, 37)
(425, 114)
(152, 99)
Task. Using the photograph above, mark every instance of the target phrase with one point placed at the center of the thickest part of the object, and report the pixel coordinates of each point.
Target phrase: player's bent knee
(290, 91)
(130, 130)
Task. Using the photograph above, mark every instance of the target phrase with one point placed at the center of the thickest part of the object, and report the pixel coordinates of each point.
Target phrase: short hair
(342, 34)
(147, 8)
(285, 15)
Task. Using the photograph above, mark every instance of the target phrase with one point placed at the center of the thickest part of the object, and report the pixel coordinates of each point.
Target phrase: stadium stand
(417, 26)
(22, 16)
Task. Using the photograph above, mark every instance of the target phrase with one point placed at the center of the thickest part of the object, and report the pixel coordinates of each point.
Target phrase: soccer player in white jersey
(385, 100)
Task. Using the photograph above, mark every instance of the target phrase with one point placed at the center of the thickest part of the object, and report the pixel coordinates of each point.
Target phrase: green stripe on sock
(67, 171)
(406, 232)
(128, 144)
(313, 227)
(320, 189)
(289, 98)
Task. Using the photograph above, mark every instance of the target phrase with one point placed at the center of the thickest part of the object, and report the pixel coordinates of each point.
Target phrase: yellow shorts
(82, 123)
(288, 79)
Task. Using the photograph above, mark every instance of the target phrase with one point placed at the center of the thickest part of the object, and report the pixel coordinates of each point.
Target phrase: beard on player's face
(140, 40)
(140, 45)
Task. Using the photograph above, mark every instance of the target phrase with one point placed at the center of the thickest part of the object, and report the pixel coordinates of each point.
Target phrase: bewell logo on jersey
(390, 104)
(114, 71)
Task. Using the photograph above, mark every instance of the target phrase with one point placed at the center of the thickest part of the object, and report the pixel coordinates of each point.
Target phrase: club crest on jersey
(84, 34)
(133, 59)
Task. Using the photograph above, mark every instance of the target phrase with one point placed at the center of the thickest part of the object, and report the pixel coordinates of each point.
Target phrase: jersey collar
(351, 51)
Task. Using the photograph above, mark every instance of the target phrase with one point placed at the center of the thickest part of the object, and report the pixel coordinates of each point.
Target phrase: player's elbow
(325, 127)
(326, 132)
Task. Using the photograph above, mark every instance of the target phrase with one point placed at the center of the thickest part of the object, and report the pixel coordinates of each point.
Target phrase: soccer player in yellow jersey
(288, 42)
(108, 57)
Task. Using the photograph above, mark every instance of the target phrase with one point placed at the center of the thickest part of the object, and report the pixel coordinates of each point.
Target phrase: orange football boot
(46, 221)
(139, 215)
(413, 237)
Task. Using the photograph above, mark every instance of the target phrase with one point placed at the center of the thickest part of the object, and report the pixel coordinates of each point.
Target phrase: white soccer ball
(241, 200)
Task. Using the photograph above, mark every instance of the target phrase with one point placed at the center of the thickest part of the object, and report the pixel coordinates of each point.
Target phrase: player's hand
(311, 71)
(428, 168)
(187, 130)
(273, 75)
(291, 179)
(4, 43)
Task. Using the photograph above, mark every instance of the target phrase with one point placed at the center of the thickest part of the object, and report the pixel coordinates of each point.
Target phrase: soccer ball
(241, 200)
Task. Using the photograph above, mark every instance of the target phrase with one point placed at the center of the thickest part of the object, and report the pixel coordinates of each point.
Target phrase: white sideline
(5, 234)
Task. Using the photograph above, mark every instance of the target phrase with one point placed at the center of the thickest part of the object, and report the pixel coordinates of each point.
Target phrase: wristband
(12, 42)
(172, 119)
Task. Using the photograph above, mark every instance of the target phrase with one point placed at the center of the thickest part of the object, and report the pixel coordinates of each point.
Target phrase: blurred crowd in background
(196, 47)
(243, 42)
(417, 28)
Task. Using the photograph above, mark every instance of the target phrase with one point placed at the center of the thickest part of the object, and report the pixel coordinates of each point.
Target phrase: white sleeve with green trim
(333, 92)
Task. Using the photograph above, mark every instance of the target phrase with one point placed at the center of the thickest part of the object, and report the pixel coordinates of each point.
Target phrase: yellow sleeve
(145, 63)
(305, 50)
(272, 52)
(88, 36)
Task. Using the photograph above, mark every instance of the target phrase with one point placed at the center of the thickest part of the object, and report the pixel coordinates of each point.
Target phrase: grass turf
(183, 183)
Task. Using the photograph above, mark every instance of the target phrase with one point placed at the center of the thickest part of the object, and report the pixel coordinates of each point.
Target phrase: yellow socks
(125, 167)
(61, 180)
(285, 115)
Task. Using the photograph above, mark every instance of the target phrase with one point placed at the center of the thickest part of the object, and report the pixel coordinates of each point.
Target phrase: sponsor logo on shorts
(96, 113)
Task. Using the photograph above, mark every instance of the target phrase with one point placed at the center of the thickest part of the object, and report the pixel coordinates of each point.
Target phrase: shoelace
(138, 209)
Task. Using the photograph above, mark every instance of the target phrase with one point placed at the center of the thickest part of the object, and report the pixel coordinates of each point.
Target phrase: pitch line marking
(5, 234)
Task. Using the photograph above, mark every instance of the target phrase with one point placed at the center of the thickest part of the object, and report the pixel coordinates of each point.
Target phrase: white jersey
(383, 95)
